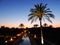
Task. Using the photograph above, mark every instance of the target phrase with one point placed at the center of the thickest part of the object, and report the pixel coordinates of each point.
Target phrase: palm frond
(47, 11)
(36, 18)
(32, 21)
(48, 18)
(50, 15)
(40, 11)
(44, 6)
(30, 14)
(41, 4)
(37, 7)
(32, 10)
(31, 17)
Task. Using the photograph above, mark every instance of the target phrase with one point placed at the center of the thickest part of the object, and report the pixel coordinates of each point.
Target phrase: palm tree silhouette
(39, 12)
(21, 25)
(45, 24)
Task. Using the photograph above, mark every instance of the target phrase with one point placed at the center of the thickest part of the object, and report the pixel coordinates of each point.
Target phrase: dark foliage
(51, 35)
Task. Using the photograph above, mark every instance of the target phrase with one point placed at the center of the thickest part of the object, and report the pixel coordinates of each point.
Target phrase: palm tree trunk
(42, 42)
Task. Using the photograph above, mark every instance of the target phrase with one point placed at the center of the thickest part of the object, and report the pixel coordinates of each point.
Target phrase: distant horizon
(26, 26)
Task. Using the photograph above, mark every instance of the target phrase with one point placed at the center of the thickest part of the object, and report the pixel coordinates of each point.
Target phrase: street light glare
(42, 41)
(6, 41)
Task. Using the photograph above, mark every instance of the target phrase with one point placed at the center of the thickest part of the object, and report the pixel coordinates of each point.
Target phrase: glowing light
(18, 35)
(35, 36)
(25, 35)
(6, 41)
(22, 32)
(29, 32)
(25, 31)
(42, 40)
(14, 37)
(11, 39)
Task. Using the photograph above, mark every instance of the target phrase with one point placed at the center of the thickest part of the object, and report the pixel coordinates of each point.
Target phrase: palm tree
(39, 12)
(21, 25)
(45, 24)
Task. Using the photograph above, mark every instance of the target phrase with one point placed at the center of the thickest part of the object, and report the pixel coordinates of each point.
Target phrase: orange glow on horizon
(56, 25)
(29, 26)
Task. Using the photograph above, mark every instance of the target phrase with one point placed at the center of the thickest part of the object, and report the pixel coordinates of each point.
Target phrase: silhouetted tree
(21, 25)
(39, 12)
(35, 25)
(45, 25)
(2, 26)
(50, 26)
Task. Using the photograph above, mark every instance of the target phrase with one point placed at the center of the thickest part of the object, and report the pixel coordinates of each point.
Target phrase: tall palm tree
(39, 12)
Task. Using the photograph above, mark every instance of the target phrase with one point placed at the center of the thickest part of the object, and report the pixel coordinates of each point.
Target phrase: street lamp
(11, 39)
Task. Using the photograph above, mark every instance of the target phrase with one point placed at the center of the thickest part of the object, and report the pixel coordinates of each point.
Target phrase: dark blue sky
(14, 12)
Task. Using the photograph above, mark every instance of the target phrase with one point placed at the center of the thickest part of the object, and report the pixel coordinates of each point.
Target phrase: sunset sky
(15, 12)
